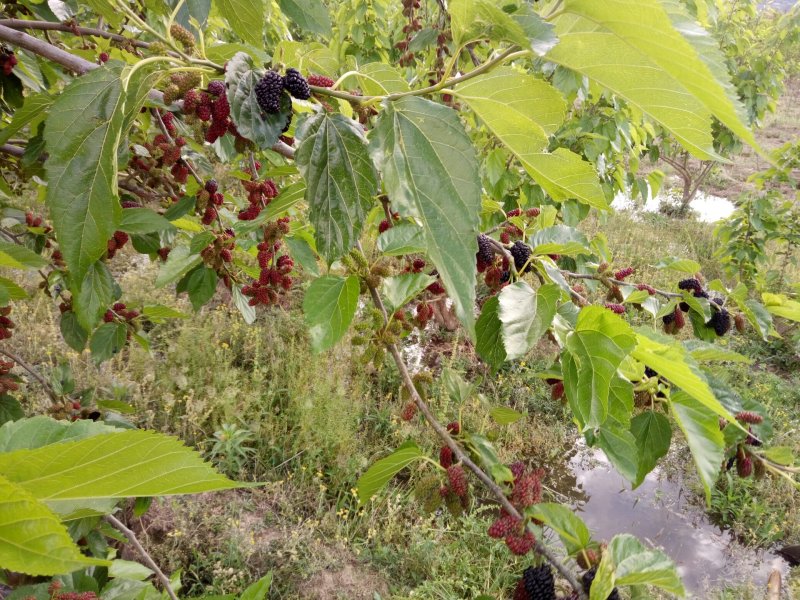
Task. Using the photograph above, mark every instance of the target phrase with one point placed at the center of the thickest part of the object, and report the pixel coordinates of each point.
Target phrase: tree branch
(145, 556)
(33, 373)
(460, 455)
(614, 281)
(48, 26)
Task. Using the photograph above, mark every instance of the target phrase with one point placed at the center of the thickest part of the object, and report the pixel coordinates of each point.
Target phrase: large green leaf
(258, 590)
(379, 474)
(329, 306)
(570, 528)
(340, 180)
(261, 128)
(15, 256)
(405, 238)
(143, 220)
(431, 173)
(246, 18)
(107, 340)
(565, 175)
(122, 464)
(526, 314)
(592, 353)
(83, 133)
(653, 434)
(95, 296)
(311, 15)
(379, 79)
(400, 289)
(489, 334)
(672, 362)
(179, 262)
(472, 20)
(700, 426)
(32, 539)
(40, 431)
(781, 306)
(628, 562)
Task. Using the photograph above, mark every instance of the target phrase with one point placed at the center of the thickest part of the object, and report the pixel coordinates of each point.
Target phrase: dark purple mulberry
(268, 92)
(296, 84)
(521, 253)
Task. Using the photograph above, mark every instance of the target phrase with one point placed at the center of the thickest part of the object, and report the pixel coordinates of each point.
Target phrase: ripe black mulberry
(521, 253)
(296, 84)
(268, 92)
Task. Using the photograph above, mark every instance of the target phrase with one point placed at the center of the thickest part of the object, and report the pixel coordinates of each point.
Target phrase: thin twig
(601, 279)
(145, 556)
(33, 373)
(461, 456)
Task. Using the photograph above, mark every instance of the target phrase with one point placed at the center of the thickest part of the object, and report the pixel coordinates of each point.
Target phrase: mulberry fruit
(320, 81)
(458, 480)
(454, 427)
(383, 226)
(539, 583)
(747, 416)
(268, 92)
(103, 58)
(740, 322)
(690, 284)
(618, 309)
(521, 253)
(183, 35)
(446, 457)
(557, 390)
(744, 466)
(503, 527)
(296, 84)
(485, 255)
(588, 578)
(720, 321)
(204, 112)
(216, 88)
(646, 288)
(527, 490)
(7, 63)
(623, 273)
(409, 411)
(521, 544)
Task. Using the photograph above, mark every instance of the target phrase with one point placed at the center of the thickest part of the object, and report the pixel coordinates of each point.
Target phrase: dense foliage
(404, 167)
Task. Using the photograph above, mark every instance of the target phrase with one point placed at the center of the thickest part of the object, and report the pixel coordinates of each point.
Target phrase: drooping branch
(459, 453)
(33, 373)
(148, 560)
(602, 279)
(76, 30)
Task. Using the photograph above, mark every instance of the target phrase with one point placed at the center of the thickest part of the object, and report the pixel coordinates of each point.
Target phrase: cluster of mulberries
(510, 232)
(219, 253)
(498, 275)
(588, 578)
(32, 220)
(674, 321)
(117, 241)
(386, 224)
(410, 8)
(8, 61)
(211, 106)
(269, 89)
(8, 382)
(618, 309)
(179, 85)
(526, 492)
(55, 594)
(208, 201)
(424, 313)
(274, 277)
(259, 195)
(436, 288)
(6, 324)
(646, 288)
(119, 312)
(414, 265)
(521, 253)
(485, 255)
(164, 152)
(536, 583)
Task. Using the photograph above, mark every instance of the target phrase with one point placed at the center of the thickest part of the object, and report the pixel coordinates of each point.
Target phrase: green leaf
(628, 562)
(340, 180)
(671, 361)
(179, 262)
(32, 539)
(526, 315)
(430, 172)
(108, 340)
(619, 446)
(379, 79)
(489, 334)
(201, 286)
(653, 435)
(180, 208)
(521, 110)
(246, 18)
(40, 431)
(379, 474)
(472, 20)
(95, 295)
(128, 569)
(781, 306)
(288, 197)
(15, 256)
(502, 415)
(32, 111)
(700, 426)
(683, 265)
(591, 356)
(262, 128)
(259, 589)
(706, 352)
(159, 312)
(74, 335)
(311, 15)
(404, 238)
(400, 289)
(781, 455)
(559, 239)
(123, 464)
(329, 306)
(143, 220)
(11, 291)
(10, 409)
(83, 132)
(570, 528)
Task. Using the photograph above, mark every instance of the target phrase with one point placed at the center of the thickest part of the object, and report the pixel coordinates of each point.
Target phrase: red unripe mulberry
(747, 416)
(446, 457)
(520, 544)
(504, 526)
(458, 480)
(409, 411)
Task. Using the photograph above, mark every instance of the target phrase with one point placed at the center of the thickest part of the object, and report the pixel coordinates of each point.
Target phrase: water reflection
(660, 512)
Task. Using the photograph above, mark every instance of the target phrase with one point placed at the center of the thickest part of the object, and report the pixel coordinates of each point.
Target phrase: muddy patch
(663, 513)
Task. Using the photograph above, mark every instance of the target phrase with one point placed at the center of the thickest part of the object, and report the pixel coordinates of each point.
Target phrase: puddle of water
(708, 208)
(661, 512)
